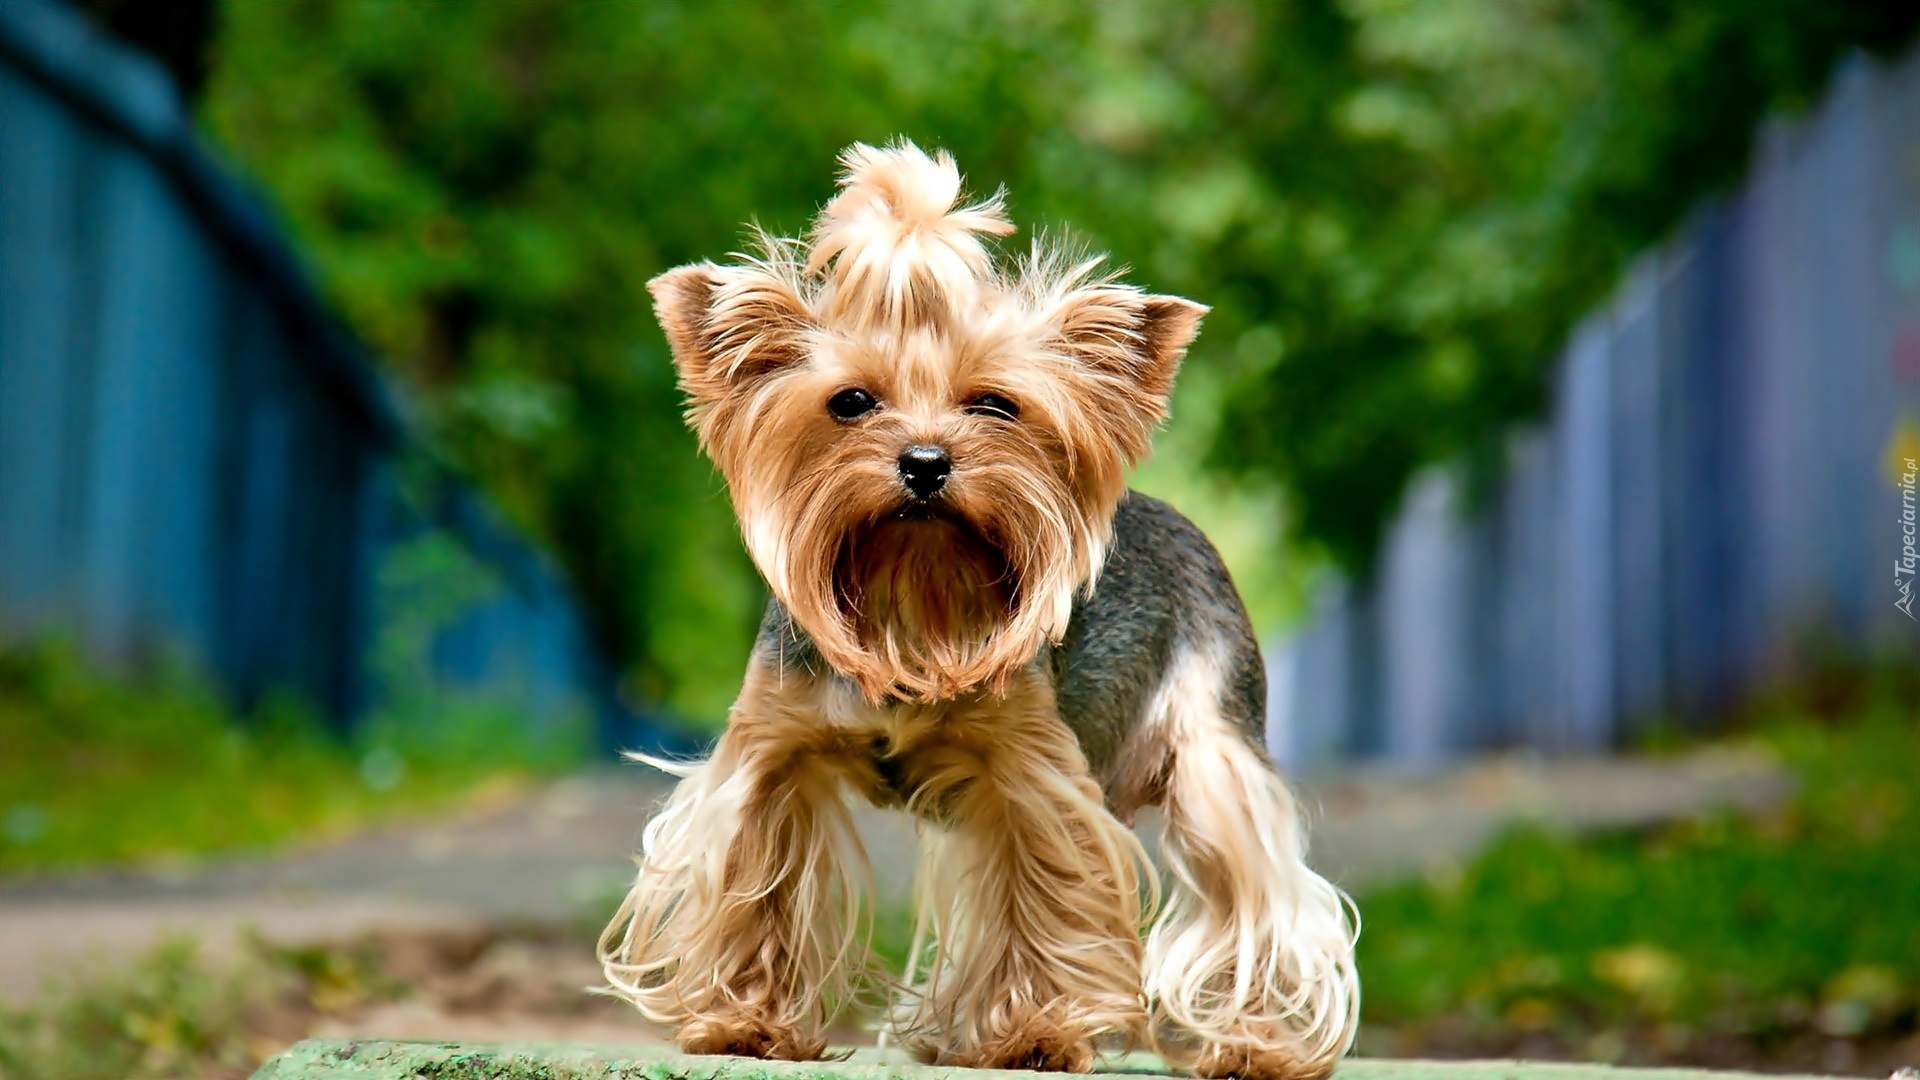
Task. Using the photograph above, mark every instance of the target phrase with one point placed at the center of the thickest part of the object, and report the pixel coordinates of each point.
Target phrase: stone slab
(364, 1059)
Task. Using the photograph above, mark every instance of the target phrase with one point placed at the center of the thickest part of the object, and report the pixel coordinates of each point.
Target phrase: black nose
(925, 469)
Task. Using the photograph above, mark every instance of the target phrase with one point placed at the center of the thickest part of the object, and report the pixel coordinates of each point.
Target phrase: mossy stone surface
(373, 1059)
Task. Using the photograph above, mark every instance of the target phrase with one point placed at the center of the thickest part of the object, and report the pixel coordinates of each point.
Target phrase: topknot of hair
(896, 246)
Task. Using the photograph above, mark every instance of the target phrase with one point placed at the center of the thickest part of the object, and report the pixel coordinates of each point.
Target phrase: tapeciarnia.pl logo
(1904, 566)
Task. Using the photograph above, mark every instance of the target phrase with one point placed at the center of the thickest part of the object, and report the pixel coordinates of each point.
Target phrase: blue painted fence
(196, 462)
(1717, 485)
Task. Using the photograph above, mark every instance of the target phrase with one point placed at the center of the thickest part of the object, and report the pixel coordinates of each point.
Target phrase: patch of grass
(1804, 919)
(168, 1014)
(99, 770)
(172, 1011)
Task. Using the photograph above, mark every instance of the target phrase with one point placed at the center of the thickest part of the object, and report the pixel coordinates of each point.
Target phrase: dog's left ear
(1129, 345)
(1132, 335)
(728, 325)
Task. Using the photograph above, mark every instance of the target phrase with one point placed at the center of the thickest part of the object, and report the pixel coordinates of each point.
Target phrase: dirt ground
(473, 987)
(487, 987)
(478, 927)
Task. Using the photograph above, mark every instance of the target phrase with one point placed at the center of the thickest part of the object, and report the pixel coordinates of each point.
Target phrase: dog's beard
(926, 596)
(928, 601)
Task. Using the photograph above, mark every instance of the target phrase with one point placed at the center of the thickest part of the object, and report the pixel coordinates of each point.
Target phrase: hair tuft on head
(894, 245)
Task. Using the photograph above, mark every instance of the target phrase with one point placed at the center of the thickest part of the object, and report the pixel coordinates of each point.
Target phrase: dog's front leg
(1031, 886)
(739, 930)
(1250, 965)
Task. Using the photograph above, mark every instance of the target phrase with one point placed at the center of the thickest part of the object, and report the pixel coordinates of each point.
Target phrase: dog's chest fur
(1163, 594)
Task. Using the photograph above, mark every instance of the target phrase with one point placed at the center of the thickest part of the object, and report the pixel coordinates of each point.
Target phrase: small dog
(972, 619)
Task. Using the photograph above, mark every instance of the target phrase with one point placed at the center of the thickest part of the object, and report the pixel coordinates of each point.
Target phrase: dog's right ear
(728, 325)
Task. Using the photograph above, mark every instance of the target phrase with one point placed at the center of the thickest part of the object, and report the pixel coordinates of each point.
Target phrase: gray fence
(1718, 482)
(195, 460)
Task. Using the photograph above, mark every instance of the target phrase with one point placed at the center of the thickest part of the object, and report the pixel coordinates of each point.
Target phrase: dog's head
(924, 444)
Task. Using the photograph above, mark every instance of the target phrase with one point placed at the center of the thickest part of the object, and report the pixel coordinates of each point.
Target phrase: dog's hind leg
(1249, 966)
(740, 930)
(1032, 889)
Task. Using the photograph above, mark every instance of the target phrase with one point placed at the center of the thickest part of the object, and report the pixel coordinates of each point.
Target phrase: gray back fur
(1164, 587)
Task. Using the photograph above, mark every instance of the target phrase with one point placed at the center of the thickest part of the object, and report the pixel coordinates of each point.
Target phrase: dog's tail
(1249, 965)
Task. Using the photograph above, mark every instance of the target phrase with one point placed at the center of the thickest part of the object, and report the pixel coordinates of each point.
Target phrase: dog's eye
(994, 405)
(851, 404)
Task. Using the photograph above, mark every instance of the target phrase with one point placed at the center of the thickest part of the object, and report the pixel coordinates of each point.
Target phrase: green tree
(1396, 208)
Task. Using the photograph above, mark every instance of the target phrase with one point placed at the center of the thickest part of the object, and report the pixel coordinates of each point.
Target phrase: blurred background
(1557, 416)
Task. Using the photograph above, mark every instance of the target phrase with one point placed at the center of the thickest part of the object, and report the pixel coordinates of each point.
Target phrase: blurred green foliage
(1797, 921)
(165, 1013)
(1396, 208)
(175, 1010)
(424, 587)
(96, 770)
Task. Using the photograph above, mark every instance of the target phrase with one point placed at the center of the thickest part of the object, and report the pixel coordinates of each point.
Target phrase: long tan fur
(742, 926)
(895, 292)
(1250, 964)
(1032, 890)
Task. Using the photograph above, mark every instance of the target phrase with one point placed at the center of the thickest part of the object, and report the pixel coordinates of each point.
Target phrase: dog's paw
(747, 1036)
(1256, 1063)
(1054, 1053)
(1049, 1050)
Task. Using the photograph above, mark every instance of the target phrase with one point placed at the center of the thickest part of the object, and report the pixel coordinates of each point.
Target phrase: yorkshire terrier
(973, 619)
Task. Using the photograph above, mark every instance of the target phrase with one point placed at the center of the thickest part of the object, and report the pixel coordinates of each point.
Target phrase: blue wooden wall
(196, 463)
(1714, 488)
